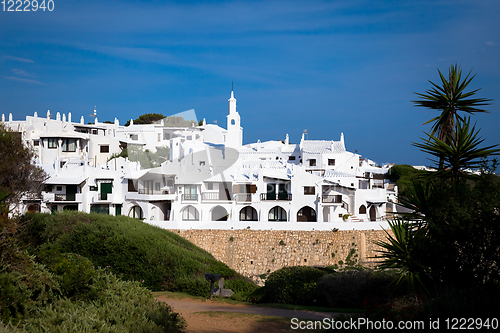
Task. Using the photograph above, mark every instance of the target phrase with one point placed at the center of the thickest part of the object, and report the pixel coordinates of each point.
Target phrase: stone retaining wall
(256, 252)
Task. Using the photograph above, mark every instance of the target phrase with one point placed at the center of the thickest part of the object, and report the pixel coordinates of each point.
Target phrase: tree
(452, 236)
(147, 118)
(449, 99)
(463, 152)
(18, 174)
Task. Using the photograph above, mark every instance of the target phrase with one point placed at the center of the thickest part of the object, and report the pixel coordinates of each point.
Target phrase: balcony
(243, 197)
(332, 199)
(73, 197)
(190, 197)
(215, 196)
(273, 197)
(152, 192)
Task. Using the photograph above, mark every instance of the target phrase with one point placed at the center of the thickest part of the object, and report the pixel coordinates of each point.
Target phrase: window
(309, 190)
(312, 162)
(94, 132)
(190, 214)
(131, 185)
(52, 143)
(36, 143)
(248, 214)
(58, 188)
(69, 145)
(331, 161)
(210, 186)
(232, 122)
(170, 182)
(202, 163)
(93, 188)
(159, 137)
(166, 136)
(134, 137)
(190, 192)
(157, 186)
(277, 214)
(104, 149)
(291, 158)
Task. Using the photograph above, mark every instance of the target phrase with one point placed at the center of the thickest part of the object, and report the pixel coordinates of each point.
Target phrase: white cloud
(13, 78)
(18, 59)
(490, 43)
(21, 72)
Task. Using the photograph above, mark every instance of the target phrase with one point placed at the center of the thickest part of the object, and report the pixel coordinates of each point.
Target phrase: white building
(209, 178)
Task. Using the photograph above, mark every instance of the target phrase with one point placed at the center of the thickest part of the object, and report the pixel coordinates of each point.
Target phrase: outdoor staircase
(356, 219)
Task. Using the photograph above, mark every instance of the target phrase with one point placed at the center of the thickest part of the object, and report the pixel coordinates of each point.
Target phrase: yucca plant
(449, 99)
(399, 253)
(458, 154)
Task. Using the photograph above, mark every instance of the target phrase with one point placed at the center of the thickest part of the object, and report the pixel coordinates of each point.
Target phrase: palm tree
(461, 153)
(449, 98)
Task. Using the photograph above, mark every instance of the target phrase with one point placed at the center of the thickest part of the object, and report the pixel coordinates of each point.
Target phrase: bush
(356, 288)
(123, 306)
(292, 285)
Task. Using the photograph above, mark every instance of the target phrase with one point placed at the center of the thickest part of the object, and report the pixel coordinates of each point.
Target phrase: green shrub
(355, 288)
(123, 306)
(292, 285)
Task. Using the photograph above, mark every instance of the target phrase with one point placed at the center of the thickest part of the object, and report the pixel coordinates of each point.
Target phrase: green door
(70, 192)
(118, 210)
(271, 192)
(105, 189)
(282, 195)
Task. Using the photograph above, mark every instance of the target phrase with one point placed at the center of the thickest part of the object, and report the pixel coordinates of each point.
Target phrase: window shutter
(253, 188)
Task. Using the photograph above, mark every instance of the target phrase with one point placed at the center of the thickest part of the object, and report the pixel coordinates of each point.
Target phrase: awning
(65, 180)
(136, 174)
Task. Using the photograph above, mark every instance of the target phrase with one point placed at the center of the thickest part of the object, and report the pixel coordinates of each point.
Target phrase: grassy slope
(129, 248)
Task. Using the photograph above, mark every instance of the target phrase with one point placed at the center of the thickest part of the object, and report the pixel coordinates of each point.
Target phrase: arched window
(233, 122)
(34, 208)
(306, 214)
(219, 213)
(190, 213)
(248, 214)
(362, 209)
(277, 214)
(135, 212)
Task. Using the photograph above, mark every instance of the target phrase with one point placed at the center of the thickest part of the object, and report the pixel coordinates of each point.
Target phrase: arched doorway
(277, 213)
(248, 213)
(306, 214)
(34, 208)
(219, 213)
(373, 213)
(189, 213)
(135, 212)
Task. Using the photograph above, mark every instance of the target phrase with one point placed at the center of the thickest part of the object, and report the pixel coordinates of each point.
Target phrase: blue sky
(325, 66)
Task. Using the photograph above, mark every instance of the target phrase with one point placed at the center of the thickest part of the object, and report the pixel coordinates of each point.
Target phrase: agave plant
(399, 253)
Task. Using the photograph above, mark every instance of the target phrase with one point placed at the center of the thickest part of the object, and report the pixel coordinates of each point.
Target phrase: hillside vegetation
(157, 258)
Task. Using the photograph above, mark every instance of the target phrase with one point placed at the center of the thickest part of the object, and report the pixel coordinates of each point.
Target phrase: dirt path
(207, 316)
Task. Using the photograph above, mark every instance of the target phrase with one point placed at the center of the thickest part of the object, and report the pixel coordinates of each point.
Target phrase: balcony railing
(65, 197)
(152, 192)
(274, 196)
(193, 197)
(243, 197)
(214, 196)
(332, 199)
